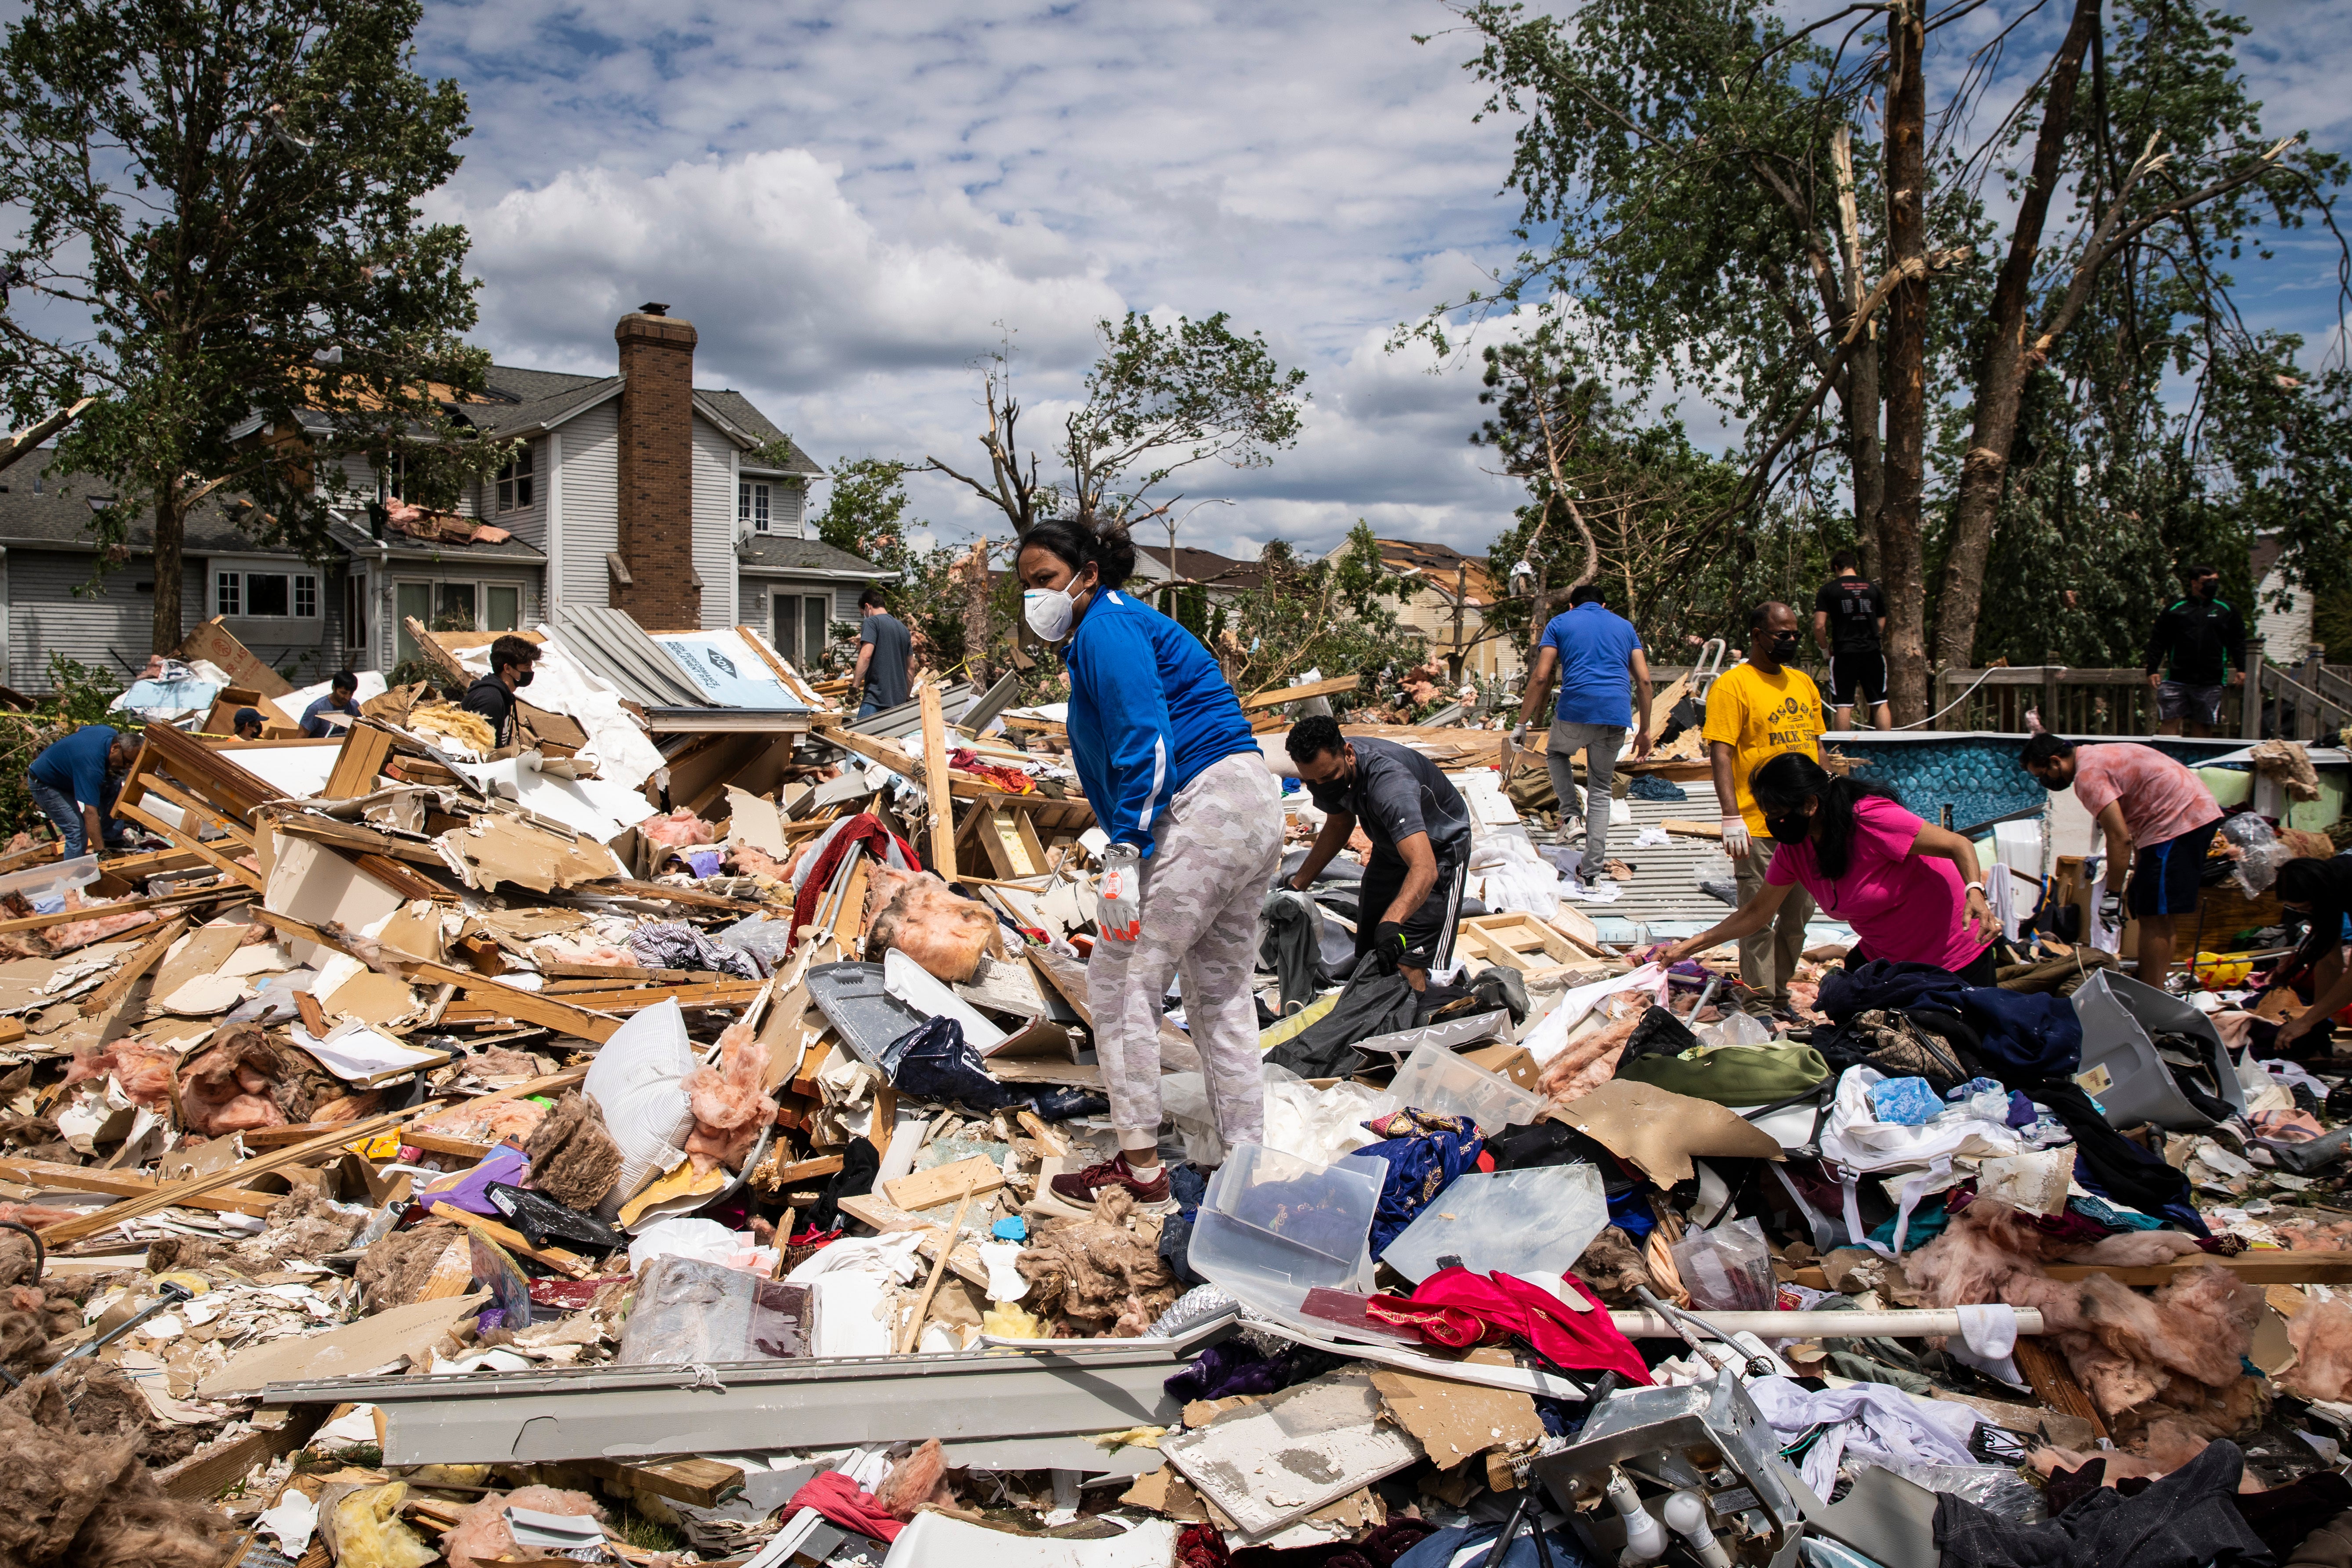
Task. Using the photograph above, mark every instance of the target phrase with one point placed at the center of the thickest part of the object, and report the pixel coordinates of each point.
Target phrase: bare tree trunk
(1865, 453)
(171, 529)
(1901, 565)
(979, 656)
(2002, 373)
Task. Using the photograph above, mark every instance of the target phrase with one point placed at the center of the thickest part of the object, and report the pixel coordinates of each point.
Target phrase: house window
(278, 594)
(444, 604)
(751, 505)
(392, 477)
(515, 481)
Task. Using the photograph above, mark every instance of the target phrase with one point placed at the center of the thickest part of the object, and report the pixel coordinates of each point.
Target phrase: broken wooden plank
(146, 956)
(569, 1264)
(1272, 698)
(131, 1185)
(120, 907)
(1692, 829)
(506, 1001)
(204, 1475)
(699, 1483)
(625, 887)
(883, 1215)
(978, 1175)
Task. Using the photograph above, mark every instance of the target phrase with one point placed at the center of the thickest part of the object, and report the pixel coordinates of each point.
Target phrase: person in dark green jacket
(2194, 645)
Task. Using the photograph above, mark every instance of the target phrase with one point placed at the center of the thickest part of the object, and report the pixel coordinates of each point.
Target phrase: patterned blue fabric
(1423, 1152)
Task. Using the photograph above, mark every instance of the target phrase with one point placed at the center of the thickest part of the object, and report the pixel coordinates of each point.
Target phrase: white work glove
(1119, 896)
(2111, 908)
(1735, 836)
(1519, 735)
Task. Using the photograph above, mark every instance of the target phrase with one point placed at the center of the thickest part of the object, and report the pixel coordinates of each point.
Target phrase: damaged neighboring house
(1446, 576)
(685, 506)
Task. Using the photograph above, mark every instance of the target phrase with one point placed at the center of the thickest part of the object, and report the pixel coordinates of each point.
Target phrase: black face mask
(523, 679)
(2208, 590)
(2051, 781)
(1784, 646)
(1793, 828)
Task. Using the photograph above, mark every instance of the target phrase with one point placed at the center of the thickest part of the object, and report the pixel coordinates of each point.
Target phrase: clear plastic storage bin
(44, 887)
(1274, 1226)
(1537, 1220)
(1435, 1078)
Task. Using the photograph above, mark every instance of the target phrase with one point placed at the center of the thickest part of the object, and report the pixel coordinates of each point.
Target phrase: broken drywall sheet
(755, 822)
(935, 1538)
(397, 1334)
(1661, 1133)
(1452, 1421)
(313, 884)
(372, 998)
(495, 851)
(1278, 1458)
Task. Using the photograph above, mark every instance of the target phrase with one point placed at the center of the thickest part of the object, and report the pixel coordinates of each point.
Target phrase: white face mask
(1050, 611)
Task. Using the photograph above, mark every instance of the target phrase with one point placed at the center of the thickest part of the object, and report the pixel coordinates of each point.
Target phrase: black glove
(1388, 945)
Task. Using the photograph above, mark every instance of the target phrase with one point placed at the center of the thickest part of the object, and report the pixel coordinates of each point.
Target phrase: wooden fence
(2311, 701)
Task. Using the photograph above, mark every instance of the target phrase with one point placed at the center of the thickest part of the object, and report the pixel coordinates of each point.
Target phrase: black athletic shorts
(2165, 877)
(1429, 930)
(1857, 679)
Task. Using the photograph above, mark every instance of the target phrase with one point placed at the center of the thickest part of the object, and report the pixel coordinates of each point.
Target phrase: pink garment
(842, 1501)
(1567, 1338)
(2161, 799)
(1910, 908)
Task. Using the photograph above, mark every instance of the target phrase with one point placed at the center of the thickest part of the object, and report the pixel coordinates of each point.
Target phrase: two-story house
(684, 506)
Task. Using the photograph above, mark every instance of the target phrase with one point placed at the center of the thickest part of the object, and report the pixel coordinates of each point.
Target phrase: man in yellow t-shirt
(1758, 709)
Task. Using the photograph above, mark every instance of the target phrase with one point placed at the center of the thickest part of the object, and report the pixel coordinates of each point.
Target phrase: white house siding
(2284, 627)
(112, 632)
(714, 522)
(787, 504)
(591, 502)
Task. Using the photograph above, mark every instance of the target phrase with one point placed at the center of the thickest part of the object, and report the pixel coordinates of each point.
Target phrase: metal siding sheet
(591, 502)
(617, 648)
(714, 522)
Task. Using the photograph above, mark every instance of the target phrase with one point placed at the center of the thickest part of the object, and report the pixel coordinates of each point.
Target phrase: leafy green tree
(1158, 399)
(216, 203)
(1337, 615)
(866, 512)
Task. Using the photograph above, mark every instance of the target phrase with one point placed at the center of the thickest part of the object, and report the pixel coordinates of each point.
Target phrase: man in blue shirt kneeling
(74, 781)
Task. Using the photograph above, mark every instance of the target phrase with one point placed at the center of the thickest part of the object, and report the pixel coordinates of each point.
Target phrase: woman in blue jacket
(1194, 817)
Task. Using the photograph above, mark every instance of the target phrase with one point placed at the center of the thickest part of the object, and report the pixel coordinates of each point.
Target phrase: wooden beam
(624, 887)
(120, 907)
(936, 790)
(1271, 698)
(700, 1483)
(203, 1476)
(146, 956)
(188, 842)
(490, 999)
(506, 1001)
(131, 1185)
(569, 1264)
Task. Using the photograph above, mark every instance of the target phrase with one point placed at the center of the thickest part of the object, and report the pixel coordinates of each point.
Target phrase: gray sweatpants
(1214, 850)
(1599, 743)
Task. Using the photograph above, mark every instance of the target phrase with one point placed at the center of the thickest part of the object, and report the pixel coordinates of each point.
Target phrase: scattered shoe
(1083, 1187)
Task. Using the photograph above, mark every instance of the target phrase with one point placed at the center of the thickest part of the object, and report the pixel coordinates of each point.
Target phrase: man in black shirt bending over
(1848, 617)
(2203, 638)
(1420, 828)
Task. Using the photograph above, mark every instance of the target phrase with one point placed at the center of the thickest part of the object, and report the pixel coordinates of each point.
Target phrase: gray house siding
(528, 523)
(591, 520)
(714, 524)
(111, 632)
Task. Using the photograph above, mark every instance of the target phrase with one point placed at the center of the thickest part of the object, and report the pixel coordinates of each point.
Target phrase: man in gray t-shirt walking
(884, 645)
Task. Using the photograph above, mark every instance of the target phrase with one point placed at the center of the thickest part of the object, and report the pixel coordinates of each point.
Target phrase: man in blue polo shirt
(73, 783)
(1595, 654)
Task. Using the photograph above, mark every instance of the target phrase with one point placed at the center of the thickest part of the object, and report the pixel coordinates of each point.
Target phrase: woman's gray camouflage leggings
(1215, 850)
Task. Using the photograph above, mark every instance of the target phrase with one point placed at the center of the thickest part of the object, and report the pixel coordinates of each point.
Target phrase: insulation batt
(573, 1159)
(750, 860)
(81, 934)
(1083, 1274)
(917, 1481)
(730, 1102)
(143, 1071)
(677, 829)
(363, 1528)
(481, 1535)
(392, 1272)
(240, 1080)
(75, 1497)
(303, 1224)
(916, 913)
(490, 1123)
(2176, 1354)
(1587, 1062)
(2322, 1336)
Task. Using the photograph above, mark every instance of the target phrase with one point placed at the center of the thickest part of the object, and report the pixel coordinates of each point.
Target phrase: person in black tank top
(1849, 615)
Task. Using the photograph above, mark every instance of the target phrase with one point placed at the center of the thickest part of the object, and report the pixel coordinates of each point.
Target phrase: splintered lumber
(131, 1185)
(366, 747)
(978, 1175)
(507, 1001)
(939, 1267)
(883, 1215)
(697, 1483)
(146, 956)
(490, 1001)
(207, 1474)
(622, 887)
(1276, 699)
(935, 793)
(569, 1264)
(1693, 830)
(120, 907)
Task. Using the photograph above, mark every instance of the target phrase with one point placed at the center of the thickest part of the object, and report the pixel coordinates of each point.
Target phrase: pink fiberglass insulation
(2176, 1354)
(2322, 1336)
(81, 934)
(1584, 1065)
(915, 1481)
(920, 918)
(481, 1535)
(730, 1101)
(677, 829)
(144, 1071)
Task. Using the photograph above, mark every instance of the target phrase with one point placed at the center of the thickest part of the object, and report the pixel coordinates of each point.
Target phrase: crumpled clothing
(1872, 1422)
(673, 944)
(846, 1504)
(1292, 945)
(2019, 1035)
(1228, 1368)
(1474, 1544)
(2287, 1126)
(2185, 1520)
(1907, 1101)
(1011, 781)
(1424, 1151)
(1458, 1308)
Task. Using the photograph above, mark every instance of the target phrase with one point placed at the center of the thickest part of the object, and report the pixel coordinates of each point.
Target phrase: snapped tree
(1702, 195)
(218, 239)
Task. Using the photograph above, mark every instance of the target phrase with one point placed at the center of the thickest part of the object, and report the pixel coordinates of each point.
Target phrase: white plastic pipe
(1645, 1537)
(1914, 1324)
(1686, 1515)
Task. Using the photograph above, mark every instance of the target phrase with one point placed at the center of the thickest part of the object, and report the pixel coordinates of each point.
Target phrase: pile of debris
(443, 1153)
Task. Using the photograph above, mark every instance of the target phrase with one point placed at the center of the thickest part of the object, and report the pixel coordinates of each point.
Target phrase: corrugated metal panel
(617, 648)
(714, 524)
(591, 503)
(907, 719)
(111, 632)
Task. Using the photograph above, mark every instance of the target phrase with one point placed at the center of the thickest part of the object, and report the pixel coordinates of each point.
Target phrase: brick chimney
(655, 580)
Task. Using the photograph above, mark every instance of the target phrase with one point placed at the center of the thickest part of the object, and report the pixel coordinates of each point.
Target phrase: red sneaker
(1084, 1187)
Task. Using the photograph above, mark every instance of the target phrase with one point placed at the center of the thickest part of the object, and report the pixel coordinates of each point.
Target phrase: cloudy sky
(848, 200)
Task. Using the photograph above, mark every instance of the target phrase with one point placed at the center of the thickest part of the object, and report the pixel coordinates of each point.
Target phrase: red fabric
(841, 1499)
(865, 830)
(1012, 780)
(1458, 1308)
(1201, 1546)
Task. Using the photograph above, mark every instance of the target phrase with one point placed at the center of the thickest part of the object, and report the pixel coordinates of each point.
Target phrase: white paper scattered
(354, 1051)
(292, 1522)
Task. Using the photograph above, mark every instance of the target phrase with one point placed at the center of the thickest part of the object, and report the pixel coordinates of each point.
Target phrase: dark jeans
(61, 811)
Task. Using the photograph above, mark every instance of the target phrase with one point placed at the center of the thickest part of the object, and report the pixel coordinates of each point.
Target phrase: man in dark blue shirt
(74, 781)
(1598, 656)
(884, 647)
(341, 698)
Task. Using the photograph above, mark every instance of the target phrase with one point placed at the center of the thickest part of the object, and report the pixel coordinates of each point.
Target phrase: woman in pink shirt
(1913, 893)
